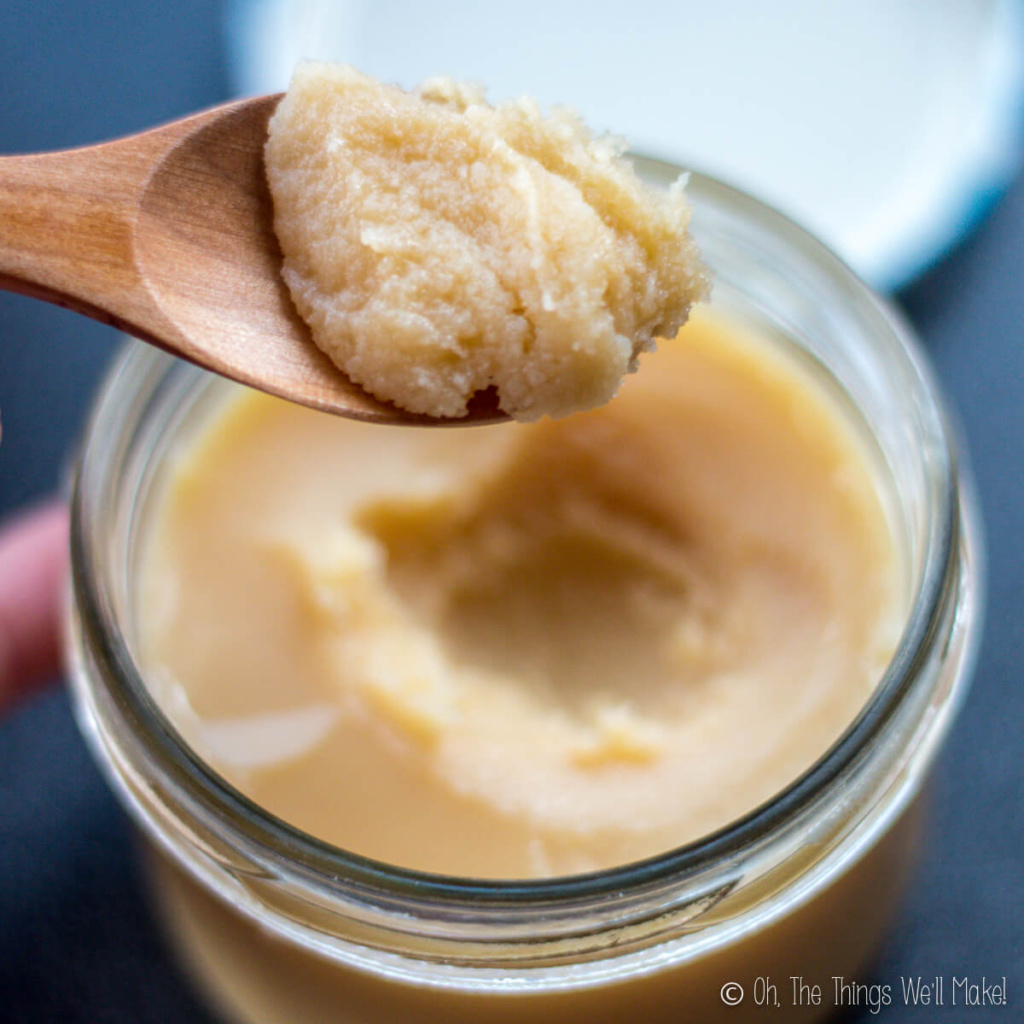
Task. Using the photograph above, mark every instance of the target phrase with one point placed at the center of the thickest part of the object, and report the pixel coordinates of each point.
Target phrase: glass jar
(278, 926)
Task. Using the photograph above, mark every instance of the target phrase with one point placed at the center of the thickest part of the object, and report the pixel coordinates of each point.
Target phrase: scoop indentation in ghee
(548, 647)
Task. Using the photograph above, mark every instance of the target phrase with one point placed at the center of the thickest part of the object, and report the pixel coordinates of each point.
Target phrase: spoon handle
(66, 222)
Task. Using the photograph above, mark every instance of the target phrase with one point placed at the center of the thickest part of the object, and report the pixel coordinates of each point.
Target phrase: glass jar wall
(279, 926)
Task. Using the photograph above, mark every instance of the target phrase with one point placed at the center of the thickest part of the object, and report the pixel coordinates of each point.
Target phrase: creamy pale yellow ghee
(438, 246)
(530, 649)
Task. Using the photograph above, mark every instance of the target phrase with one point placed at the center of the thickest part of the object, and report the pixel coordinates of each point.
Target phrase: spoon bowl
(168, 235)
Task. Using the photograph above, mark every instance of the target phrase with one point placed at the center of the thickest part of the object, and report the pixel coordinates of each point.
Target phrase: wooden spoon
(168, 235)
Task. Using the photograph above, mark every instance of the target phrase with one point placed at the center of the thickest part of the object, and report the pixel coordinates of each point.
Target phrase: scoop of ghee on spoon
(458, 273)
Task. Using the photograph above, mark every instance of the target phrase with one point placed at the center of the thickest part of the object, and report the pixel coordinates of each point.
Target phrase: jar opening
(124, 434)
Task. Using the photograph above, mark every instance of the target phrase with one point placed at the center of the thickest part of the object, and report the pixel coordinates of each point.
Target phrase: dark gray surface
(76, 942)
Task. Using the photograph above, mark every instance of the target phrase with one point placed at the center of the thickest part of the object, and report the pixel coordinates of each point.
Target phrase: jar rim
(320, 860)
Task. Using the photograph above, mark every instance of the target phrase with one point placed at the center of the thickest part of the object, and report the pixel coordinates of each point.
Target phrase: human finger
(33, 566)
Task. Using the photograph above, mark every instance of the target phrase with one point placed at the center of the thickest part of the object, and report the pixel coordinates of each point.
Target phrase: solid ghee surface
(525, 650)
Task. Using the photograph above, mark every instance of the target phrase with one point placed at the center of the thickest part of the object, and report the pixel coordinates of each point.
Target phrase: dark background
(76, 942)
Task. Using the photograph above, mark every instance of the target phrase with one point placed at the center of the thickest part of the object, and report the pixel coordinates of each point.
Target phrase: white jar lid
(887, 127)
